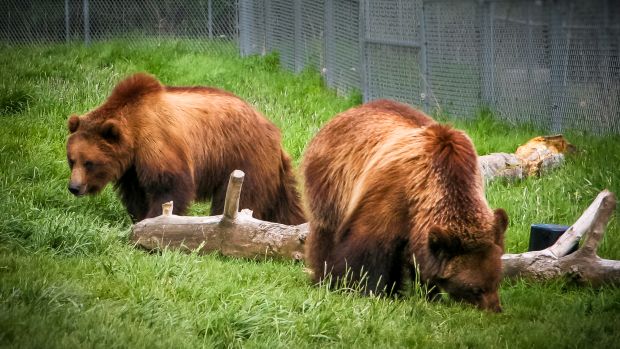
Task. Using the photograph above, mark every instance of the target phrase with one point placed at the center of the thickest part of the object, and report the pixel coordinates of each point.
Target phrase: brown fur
(159, 143)
(388, 188)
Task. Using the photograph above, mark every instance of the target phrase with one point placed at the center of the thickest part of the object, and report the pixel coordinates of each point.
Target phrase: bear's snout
(491, 302)
(76, 189)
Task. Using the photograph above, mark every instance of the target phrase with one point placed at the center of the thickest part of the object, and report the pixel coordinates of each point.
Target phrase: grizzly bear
(393, 194)
(160, 143)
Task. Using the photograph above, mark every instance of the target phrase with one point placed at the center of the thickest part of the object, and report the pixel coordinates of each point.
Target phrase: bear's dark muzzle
(74, 189)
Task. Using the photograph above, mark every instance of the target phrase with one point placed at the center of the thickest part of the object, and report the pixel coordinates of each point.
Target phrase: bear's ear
(501, 224)
(110, 131)
(73, 123)
(442, 244)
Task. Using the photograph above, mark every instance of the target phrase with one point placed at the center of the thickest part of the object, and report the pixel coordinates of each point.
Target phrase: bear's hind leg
(318, 246)
(180, 204)
(217, 201)
(177, 188)
(372, 242)
(373, 266)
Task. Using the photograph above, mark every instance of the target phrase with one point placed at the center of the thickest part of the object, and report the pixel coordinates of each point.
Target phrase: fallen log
(233, 233)
(238, 234)
(582, 266)
(533, 158)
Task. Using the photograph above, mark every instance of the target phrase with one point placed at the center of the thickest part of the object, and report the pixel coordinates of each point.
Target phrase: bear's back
(348, 148)
(144, 102)
(365, 149)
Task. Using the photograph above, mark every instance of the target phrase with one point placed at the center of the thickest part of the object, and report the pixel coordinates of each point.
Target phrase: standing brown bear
(160, 143)
(389, 189)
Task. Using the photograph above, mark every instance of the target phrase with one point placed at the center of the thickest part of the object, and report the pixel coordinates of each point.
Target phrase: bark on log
(582, 266)
(233, 233)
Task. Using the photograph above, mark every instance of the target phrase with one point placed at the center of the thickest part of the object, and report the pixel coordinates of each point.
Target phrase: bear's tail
(287, 207)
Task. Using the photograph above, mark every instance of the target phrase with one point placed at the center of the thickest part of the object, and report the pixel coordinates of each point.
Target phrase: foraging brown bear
(160, 143)
(388, 190)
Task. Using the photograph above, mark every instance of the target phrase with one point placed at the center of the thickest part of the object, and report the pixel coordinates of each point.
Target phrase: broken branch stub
(166, 208)
(233, 192)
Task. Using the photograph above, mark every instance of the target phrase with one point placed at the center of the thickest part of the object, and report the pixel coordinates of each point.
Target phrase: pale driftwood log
(501, 165)
(582, 266)
(238, 234)
(537, 156)
(233, 233)
(510, 166)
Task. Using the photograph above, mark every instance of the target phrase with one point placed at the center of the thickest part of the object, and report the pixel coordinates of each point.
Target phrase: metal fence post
(210, 18)
(426, 88)
(67, 28)
(298, 44)
(267, 19)
(488, 52)
(329, 42)
(363, 12)
(530, 42)
(605, 49)
(243, 24)
(558, 65)
(86, 22)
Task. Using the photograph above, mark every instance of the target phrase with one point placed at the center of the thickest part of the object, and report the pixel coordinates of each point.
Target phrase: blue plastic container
(545, 235)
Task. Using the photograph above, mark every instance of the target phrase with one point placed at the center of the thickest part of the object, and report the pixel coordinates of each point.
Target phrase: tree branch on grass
(582, 266)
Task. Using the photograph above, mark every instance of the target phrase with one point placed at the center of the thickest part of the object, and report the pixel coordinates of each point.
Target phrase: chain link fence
(552, 63)
(204, 24)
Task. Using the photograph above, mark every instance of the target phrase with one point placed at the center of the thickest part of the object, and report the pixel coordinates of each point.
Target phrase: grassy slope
(68, 278)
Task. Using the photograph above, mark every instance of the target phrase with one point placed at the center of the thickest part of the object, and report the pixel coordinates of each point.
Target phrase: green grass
(69, 277)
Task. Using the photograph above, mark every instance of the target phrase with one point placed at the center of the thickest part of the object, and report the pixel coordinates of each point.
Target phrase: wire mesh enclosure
(554, 64)
(551, 63)
(205, 24)
(34, 22)
(391, 43)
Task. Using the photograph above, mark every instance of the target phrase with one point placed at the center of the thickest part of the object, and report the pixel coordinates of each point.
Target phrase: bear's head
(97, 153)
(471, 269)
